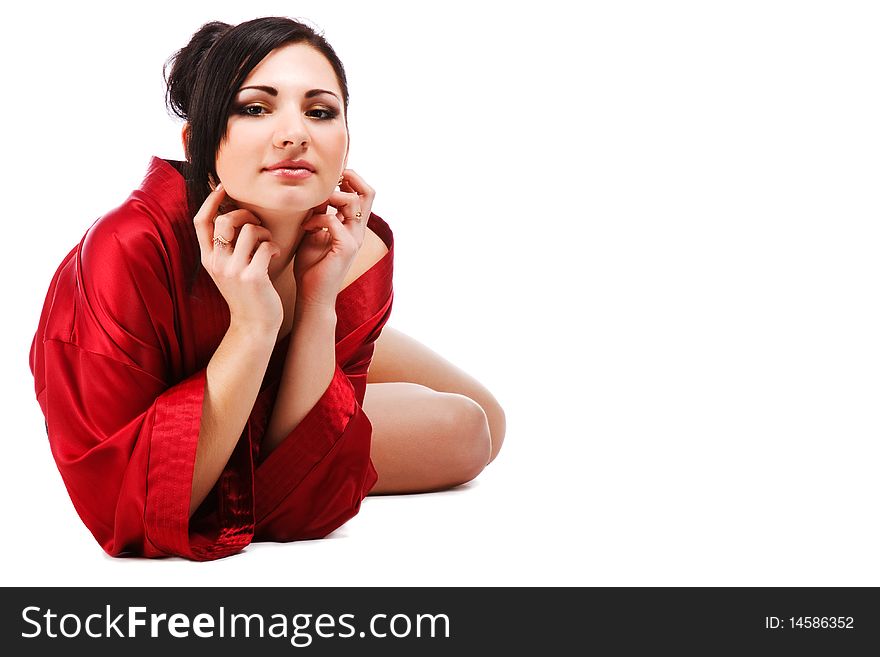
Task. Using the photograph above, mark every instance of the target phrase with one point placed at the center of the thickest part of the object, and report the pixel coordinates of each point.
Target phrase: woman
(212, 358)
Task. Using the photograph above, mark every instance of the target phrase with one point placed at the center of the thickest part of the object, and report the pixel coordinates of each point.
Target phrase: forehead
(294, 67)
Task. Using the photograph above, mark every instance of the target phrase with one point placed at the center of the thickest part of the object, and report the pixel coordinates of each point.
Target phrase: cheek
(231, 159)
(336, 142)
(225, 170)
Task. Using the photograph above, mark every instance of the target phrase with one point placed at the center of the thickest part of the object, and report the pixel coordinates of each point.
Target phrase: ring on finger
(220, 241)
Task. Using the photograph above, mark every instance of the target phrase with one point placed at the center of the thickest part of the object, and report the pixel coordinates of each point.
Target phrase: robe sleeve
(123, 436)
(317, 477)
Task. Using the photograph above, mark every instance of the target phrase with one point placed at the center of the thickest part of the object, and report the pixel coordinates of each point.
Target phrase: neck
(287, 232)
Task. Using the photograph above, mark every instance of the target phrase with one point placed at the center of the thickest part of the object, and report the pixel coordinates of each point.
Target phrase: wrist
(256, 333)
(308, 310)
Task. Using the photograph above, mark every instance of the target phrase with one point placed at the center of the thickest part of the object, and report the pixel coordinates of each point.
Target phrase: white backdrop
(651, 229)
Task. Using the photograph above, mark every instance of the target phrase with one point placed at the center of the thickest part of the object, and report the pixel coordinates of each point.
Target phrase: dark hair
(207, 73)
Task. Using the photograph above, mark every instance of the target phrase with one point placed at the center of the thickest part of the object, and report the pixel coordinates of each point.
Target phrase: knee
(468, 432)
(497, 426)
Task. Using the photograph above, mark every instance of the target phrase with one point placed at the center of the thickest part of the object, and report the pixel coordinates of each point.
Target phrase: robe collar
(166, 187)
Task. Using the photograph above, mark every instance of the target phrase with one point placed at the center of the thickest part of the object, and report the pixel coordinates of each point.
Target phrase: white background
(651, 229)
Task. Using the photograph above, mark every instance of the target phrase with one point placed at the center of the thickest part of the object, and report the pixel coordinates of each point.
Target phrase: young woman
(213, 359)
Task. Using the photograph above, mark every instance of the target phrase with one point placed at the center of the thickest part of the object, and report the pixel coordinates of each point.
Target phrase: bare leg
(424, 440)
(400, 358)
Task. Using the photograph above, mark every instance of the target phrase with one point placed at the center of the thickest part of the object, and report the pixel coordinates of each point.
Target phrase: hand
(239, 267)
(331, 242)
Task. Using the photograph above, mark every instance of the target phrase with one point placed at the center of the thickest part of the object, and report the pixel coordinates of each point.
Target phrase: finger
(366, 193)
(348, 204)
(227, 225)
(263, 255)
(248, 239)
(318, 222)
(339, 199)
(356, 184)
(320, 209)
(204, 219)
(328, 222)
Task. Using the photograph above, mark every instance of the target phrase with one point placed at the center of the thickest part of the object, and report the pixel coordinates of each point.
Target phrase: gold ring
(221, 242)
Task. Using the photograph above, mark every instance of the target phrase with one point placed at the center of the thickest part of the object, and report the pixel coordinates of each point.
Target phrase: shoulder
(122, 275)
(373, 245)
(124, 251)
(381, 230)
(149, 227)
(126, 229)
(372, 251)
(378, 242)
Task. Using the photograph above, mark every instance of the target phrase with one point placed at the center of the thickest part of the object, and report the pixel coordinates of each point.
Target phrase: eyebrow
(272, 91)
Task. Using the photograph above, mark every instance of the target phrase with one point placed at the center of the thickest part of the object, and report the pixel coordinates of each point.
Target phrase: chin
(305, 195)
(298, 199)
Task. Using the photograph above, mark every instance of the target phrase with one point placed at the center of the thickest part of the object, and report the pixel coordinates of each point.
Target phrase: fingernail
(219, 187)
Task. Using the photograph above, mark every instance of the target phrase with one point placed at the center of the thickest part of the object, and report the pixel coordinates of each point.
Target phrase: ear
(184, 136)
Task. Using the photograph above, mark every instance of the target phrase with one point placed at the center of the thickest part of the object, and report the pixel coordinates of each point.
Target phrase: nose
(290, 129)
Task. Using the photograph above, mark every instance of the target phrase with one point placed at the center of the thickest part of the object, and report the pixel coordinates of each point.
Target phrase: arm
(318, 474)
(318, 468)
(125, 444)
(233, 379)
(308, 370)
(311, 358)
(139, 457)
(124, 427)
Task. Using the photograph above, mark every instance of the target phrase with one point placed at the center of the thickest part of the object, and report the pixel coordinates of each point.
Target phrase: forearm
(308, 371)
(234, 375)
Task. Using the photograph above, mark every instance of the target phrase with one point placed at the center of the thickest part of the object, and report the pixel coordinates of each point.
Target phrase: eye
(322, 113)
(246, 110)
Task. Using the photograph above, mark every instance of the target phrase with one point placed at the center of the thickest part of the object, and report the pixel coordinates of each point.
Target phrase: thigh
(400, 358)
(424, 440)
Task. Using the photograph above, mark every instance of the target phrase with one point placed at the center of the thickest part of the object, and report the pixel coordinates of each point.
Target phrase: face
(297, 116)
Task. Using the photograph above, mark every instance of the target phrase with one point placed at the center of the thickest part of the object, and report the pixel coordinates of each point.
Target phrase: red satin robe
(119, 362)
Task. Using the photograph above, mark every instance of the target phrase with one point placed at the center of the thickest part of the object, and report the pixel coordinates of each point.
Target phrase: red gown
(119, 362)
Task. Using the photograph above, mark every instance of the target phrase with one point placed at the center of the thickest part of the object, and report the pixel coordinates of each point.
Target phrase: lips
(292, 165)
(290, 174)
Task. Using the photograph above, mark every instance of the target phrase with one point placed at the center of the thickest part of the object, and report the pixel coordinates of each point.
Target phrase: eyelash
(329, 114)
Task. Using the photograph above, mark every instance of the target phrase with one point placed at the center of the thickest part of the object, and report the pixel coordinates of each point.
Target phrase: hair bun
(185, 65)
